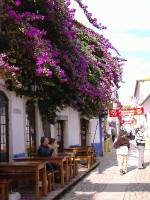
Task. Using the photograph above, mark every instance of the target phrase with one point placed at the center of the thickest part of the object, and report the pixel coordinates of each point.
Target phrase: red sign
(114, 113)
(125, 112)
(125, 121)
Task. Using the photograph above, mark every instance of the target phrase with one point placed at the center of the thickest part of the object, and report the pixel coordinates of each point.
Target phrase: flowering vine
(70, 64)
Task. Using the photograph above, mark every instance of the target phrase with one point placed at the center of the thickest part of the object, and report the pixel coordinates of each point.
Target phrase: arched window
(4, 136)
(30, 128)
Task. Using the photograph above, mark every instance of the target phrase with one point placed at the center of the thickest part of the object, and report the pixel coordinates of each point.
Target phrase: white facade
(142, 95)
(72, 130)
(16, 122)
(17, 125)
(71, 120)
(142, 90)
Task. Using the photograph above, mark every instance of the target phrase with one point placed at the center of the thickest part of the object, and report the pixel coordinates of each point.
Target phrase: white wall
(17, 115)
(142, 91)
(16, 121)
(72, 126)
(145, 89)
(146, 106)
(94, 131)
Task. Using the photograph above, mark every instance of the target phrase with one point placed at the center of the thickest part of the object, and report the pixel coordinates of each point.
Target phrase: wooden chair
(51, 180)
(4, 187)
(81, 154)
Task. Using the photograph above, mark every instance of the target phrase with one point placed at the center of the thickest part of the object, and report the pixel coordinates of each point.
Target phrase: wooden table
(54, 159)
(14, 169)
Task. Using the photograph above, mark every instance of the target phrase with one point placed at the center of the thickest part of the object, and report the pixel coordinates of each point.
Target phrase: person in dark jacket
(46, 150)
(113, 134)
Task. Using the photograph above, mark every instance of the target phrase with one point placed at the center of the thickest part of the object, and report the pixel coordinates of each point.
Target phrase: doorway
(60, 124)
(84, 131)
(30, 129)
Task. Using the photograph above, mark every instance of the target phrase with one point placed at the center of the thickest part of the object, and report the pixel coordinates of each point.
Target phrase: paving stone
(105, 182)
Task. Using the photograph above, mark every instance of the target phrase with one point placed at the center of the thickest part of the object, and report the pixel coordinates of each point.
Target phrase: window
(4, 139)
(60, 134)
(30, 128)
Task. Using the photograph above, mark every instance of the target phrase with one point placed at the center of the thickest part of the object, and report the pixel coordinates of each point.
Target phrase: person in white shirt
(140, 138)
(122, 147)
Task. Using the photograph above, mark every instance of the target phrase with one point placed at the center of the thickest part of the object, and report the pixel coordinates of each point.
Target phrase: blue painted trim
(97, 147)
(18, 155)
(73, 145)
(100, 134)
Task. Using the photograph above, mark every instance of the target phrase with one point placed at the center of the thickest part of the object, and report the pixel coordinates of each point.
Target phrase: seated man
(46, 150)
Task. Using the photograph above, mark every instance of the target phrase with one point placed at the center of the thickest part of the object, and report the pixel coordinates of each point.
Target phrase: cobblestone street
(105, 182)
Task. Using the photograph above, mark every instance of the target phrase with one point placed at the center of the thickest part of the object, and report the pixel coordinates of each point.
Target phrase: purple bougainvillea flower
(39, 71)
(49, 73)
(17, 2)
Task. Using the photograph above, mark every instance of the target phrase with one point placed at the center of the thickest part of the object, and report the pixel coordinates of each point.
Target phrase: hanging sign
(125, 112)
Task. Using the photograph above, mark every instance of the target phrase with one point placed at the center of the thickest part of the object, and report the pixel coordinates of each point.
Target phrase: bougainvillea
(44, 46)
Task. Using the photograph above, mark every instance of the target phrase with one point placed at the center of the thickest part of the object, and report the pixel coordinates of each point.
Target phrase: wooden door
(84, 131)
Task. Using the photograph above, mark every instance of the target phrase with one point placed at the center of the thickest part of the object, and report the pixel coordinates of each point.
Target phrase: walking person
(113, 134)
(140, 142)
(122, 147)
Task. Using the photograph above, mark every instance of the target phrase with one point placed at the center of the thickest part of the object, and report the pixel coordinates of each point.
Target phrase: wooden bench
(91, 151)
(4, 187)
(81, 153)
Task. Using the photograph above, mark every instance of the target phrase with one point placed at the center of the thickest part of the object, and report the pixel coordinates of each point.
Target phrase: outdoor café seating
(83, 153)
(25, 171)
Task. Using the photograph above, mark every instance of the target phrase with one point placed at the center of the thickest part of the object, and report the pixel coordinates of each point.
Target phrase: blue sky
(128, 29)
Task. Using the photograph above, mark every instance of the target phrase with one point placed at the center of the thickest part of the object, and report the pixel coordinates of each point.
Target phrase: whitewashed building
(19, 124)
(142, 95)
(71, 129)
(21, 127)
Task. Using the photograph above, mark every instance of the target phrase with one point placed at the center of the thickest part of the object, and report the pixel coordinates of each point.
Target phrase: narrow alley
(105, 182)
